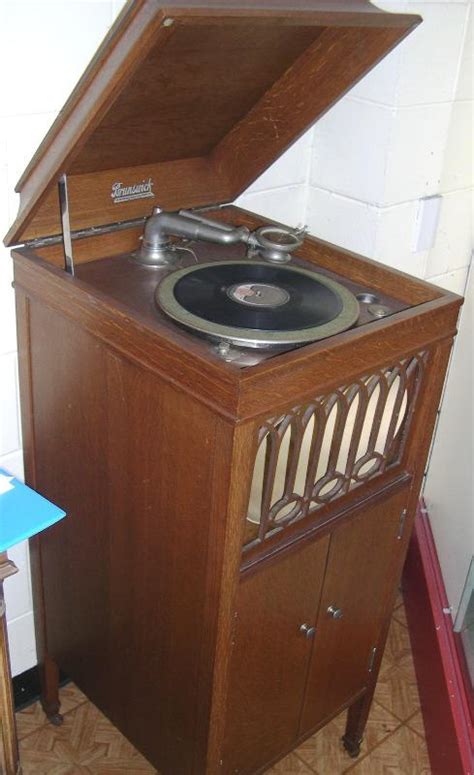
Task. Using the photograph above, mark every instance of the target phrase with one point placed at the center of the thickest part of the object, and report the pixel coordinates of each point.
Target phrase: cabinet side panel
(130, 459)
(69, 415)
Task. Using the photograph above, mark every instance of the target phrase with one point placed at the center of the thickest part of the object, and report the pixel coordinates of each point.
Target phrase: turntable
(246, 303)
(256, 305)
(234, 414)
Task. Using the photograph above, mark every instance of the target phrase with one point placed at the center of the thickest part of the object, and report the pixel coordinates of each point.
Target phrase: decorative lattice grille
(319, 451)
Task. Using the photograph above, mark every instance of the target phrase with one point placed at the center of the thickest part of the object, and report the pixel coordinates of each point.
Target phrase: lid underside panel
(199, 104)
(172, 109)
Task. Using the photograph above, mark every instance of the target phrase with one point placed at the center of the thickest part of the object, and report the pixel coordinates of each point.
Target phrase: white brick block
(465, 84)
(394, 239)
(429, 56)
(344, 222)
(7, 304)
(4, 200)
(3, 144)
(13, 463)
(458, 158)
(4, 187)
(21, 634)
(9, 414)
(416, 158)
(392, 156)
(23, 134)
(380, 84)
(286, 205)
(351, 149)
(454, 238)
(57, 40)
(452, 281)
(289, 169)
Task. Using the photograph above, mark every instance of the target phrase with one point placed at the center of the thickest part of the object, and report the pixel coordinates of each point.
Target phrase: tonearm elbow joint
(157, 248)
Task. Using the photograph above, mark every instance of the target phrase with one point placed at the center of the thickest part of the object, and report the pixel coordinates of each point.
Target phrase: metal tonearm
(156, 248)
(273, 243)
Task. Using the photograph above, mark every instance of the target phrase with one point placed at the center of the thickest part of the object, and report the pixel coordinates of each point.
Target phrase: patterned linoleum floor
(394, 740)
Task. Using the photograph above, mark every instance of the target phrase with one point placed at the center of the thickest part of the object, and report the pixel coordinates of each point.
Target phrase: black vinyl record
(257, 296)
(255, 304)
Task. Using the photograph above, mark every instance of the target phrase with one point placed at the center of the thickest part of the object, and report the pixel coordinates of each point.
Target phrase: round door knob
(335, 612)
(307, 630)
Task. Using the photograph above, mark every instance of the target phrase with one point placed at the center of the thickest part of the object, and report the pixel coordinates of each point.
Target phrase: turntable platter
(255, 304)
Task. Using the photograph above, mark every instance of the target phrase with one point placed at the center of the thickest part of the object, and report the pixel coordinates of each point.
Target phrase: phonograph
(234, 414)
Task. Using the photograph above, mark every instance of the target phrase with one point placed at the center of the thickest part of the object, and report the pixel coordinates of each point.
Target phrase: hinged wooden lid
(184, 105)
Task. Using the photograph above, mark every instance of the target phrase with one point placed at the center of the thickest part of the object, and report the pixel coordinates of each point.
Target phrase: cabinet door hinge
(401, 524)
(372, 659)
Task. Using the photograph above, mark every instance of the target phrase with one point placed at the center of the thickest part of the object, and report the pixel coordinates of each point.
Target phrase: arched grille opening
(321, 450)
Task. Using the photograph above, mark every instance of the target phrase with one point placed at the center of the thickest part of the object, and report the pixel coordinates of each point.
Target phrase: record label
(258, 294)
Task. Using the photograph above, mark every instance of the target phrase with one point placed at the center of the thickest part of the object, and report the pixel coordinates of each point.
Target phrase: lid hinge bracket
(66, 225)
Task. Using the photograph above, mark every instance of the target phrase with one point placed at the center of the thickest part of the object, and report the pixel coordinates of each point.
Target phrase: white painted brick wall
(381, 149)
(403, 132)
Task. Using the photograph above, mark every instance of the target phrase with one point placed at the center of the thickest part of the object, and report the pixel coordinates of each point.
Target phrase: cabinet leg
(49, 676)
(48, 670)
(356, 721)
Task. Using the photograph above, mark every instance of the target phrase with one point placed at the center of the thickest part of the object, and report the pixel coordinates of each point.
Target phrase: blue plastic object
(23, 512)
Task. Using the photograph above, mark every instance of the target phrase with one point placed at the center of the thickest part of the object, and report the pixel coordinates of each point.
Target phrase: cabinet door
(363, 568)
(270, 657)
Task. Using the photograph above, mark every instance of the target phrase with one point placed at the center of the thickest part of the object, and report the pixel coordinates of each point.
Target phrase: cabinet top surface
(113, 297)
(186, 104)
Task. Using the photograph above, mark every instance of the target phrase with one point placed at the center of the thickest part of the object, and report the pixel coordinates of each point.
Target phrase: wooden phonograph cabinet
(234, 415)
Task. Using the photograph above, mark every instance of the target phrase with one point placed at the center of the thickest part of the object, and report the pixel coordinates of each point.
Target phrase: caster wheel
(352, 747)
